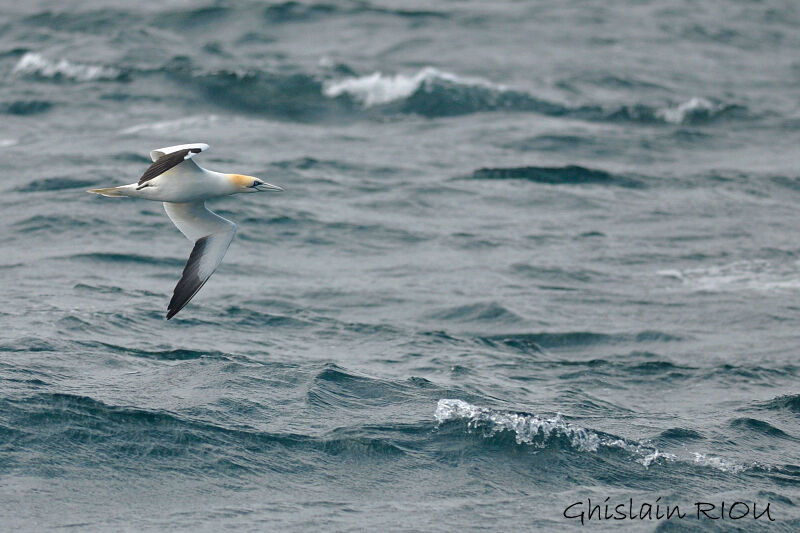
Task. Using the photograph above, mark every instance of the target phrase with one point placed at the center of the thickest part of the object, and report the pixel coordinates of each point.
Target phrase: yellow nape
(240, 180)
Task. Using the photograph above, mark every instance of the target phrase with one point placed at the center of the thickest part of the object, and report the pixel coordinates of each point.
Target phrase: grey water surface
(529, 253)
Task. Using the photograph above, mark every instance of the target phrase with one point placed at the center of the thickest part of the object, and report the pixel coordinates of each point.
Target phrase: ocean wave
(759, 426)
(128, 258)
(36, 65)
(292, 11)
(110, 19)
(573, 339)
(54, 184)
(527, 429)
(750, 373)
(694, 110)
(83, 20)
(195, 16)
(567, 175)
(53, 224)
(432, 92)
(168, 126)
(541, 432)
(428, 92)
(77, 425)
(789, 402)
(378, 88)
(721, 464)
(335, 388)
(681, 435)
(173, 354)
(755, 275)
(25, 107)
(350, 236)
(295, 96)
(485, 312)
(249, 316)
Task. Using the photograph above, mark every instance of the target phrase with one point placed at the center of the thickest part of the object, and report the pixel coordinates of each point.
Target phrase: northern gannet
(183, 187)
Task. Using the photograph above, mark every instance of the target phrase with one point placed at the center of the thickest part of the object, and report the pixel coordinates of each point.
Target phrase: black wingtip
(172, 310)
(190, 282)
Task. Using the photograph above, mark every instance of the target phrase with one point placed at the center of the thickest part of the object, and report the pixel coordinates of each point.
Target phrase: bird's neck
(220, 182)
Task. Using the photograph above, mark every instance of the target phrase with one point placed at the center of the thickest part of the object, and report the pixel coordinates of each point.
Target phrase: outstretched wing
(161, 152)
(169, 157)
(212, 235)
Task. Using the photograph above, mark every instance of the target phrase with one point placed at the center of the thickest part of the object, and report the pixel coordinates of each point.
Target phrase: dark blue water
(528, 254)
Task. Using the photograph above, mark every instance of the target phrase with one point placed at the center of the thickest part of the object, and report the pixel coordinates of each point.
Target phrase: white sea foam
(678, 114)
(756, 276)
(171, 125)
(36, 64)
(378, 88)
(536, 431)
(4, 143)
(655, 455)
(528, 429)
(718, 462)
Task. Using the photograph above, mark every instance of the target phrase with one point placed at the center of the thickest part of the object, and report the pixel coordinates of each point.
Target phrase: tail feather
(110, 191)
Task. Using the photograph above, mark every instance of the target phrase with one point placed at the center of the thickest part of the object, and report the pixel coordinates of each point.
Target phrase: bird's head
(244, 183)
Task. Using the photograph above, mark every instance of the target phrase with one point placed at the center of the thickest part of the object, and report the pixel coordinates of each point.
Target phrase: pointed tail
(111, 191)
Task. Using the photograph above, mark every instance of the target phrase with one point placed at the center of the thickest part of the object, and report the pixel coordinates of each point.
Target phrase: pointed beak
(264, 186)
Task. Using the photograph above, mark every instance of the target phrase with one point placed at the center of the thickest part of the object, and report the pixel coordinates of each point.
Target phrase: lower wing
(212, 235)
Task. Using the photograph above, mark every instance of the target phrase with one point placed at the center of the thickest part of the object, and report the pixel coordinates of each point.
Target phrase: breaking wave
(433, 92)
(694, 110)
(341, 93)
(739, 276)
(36, 65)
(378, 88)
(527, 429)
(542, 432)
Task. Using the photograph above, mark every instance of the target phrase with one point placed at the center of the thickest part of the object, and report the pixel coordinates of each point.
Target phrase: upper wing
(212, 235)
(161, 152)
(169, 157)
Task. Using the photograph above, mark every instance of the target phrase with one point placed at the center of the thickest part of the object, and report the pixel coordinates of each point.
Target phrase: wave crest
(542, 432)
(696, 109)
(432, 92)
(378, 88)
(34, 64)
(790, 402)
(428, 92)
(528, 429)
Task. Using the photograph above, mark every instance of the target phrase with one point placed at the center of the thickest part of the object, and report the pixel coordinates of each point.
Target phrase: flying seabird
(183, 187)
